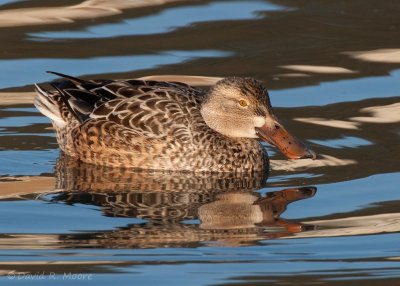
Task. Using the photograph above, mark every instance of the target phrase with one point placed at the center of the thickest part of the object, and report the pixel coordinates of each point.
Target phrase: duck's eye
(243, 103)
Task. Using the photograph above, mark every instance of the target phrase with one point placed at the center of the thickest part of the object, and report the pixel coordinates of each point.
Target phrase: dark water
(333, 70)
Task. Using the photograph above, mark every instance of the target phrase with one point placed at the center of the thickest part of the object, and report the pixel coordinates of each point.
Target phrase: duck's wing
(153, 109)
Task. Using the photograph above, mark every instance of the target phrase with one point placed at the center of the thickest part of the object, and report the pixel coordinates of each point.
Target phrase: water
(332, 68)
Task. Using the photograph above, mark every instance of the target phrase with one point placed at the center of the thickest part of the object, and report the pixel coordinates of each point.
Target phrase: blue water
(27, 162)
(345, 142)
(339, 91)
(169, 20)
(15, 73)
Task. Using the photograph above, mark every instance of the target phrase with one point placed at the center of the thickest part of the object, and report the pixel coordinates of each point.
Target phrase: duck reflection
(177, 208)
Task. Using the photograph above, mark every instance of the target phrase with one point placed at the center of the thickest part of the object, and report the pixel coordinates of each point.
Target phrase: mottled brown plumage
(157, 125)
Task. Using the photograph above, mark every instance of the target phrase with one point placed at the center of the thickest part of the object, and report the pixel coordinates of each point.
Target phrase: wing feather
(152, 109)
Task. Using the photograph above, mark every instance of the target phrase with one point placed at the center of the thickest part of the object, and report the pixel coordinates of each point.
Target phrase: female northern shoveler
(158, 125)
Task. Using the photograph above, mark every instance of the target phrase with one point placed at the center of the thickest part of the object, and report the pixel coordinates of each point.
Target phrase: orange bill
(274, 133)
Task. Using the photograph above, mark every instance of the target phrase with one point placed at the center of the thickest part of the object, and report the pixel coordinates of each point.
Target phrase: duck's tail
(50, 104)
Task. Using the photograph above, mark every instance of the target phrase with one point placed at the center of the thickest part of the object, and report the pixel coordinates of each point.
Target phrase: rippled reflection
(88, 9)
(176, 208)
(169, 20)
(380, 55)
(10, 69)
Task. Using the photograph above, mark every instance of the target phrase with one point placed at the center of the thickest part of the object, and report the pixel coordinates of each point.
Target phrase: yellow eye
(243, 103)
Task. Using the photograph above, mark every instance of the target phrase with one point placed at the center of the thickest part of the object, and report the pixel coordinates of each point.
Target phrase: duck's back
(139, 124)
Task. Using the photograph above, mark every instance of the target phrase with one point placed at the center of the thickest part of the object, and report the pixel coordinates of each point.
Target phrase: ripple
(344, 142)
(19, 72)
(339, 91)
(168, 20)
(23, 162)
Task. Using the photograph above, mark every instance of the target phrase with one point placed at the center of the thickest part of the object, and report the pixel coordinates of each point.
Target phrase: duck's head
(240, 107)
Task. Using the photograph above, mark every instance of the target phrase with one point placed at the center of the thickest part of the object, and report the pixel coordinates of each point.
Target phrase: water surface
(332, 68)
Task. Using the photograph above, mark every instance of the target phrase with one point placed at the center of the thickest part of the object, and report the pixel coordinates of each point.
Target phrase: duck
(166, 126)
